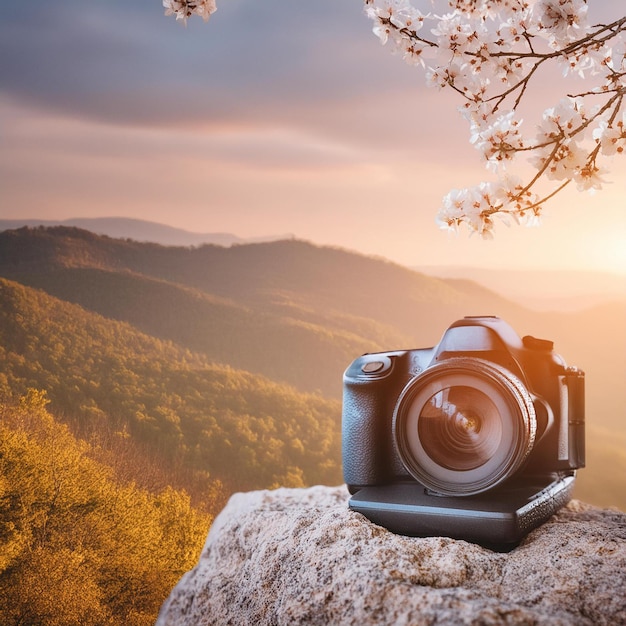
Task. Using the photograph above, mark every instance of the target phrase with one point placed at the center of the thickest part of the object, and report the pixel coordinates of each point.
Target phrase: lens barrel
(464, 426)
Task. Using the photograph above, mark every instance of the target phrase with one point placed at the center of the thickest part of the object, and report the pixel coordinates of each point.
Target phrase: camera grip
(366, 441)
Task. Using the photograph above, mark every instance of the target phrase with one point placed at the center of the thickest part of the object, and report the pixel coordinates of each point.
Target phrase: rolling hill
(211, 420)
(297, 313)
(289, 310)
(139, 230)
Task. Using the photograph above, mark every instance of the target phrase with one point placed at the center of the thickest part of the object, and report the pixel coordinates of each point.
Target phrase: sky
(275, 117)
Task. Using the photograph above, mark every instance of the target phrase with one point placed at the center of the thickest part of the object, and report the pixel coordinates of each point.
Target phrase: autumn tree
(76, 546)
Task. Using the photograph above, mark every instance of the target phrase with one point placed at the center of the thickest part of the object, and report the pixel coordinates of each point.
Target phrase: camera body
(478, 437)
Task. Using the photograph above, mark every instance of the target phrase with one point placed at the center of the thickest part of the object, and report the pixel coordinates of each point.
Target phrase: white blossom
(614, 60)
(615, 56)
(487, 51)
(511, 34)
(589, 177)
(455, 34)
(392, 17)
(562, 160)
(611, 137)
(509, 71)
(518, 201)
(184, 9)
(567, 118)
(500, 141)
(473, 207)
(583, 62)
(476, 207)
(560, 21)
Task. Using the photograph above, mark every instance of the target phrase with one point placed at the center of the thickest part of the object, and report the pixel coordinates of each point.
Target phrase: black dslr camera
(477, 438)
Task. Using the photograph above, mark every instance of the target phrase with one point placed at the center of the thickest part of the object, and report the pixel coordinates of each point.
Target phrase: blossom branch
(489, 53)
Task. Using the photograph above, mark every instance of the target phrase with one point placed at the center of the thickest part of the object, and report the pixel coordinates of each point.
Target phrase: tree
(77, 546)
(489, 52)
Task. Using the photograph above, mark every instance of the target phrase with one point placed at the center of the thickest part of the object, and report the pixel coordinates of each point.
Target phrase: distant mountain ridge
(544, 290)
(540, 290)
(141, 230)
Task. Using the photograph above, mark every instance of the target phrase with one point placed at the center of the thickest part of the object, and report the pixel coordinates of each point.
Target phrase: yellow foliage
(78, 548)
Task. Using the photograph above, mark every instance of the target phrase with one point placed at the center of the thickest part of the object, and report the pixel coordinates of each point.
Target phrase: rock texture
(299, 556)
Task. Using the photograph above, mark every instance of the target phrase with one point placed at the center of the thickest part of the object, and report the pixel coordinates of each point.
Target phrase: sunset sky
(276, 117)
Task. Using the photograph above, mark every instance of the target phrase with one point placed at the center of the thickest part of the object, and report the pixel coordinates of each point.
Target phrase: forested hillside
(247, 431)
(97, 530)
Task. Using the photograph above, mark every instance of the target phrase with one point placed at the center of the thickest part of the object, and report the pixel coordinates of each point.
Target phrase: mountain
(178, 375)
(289, 310)
(543, 290)
(298, 314)
(139, 230)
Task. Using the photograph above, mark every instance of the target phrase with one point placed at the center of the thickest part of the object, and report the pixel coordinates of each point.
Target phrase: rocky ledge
(299, 556)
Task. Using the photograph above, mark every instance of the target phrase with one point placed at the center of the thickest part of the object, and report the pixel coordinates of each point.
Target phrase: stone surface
(299, 556)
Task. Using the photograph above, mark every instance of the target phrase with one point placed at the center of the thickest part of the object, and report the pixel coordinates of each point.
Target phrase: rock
(299, 556)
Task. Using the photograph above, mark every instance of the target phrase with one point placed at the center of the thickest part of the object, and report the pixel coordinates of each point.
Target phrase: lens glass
(460, 428)
(463, 426)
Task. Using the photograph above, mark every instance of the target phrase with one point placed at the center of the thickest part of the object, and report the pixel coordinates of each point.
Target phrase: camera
(477, 438)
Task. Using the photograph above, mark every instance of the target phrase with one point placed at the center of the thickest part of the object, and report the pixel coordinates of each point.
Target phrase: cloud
(311, 71)
(126, 62)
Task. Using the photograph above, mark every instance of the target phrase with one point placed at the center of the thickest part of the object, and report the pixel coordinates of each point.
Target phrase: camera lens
(464, 426)
(460, 428)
